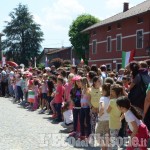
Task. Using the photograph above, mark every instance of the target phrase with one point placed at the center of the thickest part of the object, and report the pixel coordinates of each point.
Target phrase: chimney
(125, 6)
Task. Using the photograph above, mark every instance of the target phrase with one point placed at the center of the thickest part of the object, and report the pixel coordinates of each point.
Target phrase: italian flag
(82, 61)
(127, 57)
(31, 96)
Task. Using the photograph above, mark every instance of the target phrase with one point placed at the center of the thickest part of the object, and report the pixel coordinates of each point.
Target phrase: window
(118, 66)
(118, 25)
(140, 20)
(109, 28)
(109, 44)
(94, 47)
(109, 67)
(119, 42)
(139, 39)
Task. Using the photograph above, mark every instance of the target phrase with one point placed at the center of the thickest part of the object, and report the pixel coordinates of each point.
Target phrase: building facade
(126, 31)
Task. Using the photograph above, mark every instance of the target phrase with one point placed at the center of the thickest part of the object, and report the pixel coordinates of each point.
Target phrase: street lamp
(1, 52)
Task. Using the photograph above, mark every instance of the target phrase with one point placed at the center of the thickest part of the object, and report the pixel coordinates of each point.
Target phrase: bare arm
(101, 110)
(124, 92)
(135, 129)
(131, 86)
(90, 100)
(109, 109)
(122, 117)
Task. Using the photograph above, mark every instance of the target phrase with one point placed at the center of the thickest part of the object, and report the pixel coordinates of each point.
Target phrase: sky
(55, 16)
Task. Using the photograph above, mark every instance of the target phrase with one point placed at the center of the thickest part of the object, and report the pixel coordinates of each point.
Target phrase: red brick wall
(128, 27)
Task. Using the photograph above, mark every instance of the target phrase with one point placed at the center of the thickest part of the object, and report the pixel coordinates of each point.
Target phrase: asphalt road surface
(21, 129)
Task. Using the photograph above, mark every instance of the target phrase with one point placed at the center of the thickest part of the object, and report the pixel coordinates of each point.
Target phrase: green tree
(78, 39)
(23, 36)
(57, 62)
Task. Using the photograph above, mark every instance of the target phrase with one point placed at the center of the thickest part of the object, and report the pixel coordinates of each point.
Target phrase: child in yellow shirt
(114, 113)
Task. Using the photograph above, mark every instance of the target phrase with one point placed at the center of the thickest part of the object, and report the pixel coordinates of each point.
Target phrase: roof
(49, 51)
(52, 51)
(138, 9)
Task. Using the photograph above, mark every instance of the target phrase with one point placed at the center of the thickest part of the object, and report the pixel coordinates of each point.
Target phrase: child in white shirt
(103, 121)
(68, 117)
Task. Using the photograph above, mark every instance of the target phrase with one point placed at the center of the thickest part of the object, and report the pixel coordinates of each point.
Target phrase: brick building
(125, 31)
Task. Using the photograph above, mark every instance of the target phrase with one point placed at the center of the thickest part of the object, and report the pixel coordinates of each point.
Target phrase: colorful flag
(82, 61)
(127, 57)
(31, 96)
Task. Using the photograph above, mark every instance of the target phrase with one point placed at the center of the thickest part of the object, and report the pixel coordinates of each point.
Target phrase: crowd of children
(87, 100)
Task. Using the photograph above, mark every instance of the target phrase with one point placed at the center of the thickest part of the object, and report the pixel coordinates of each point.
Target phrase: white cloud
(59, 14)
(56, 18)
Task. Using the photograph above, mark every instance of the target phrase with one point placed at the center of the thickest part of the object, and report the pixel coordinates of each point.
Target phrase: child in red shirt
(59, 98)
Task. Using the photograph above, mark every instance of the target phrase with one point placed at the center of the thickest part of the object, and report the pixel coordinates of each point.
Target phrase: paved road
(21, 129)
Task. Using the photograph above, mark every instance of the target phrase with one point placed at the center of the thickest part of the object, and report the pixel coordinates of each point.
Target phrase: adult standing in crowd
(147, 108)
(140, 79)
(147, 104)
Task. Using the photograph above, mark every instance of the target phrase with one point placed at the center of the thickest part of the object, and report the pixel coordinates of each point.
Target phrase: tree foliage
(57, 62)
(80, 40)
(23, 36)
(66, 63)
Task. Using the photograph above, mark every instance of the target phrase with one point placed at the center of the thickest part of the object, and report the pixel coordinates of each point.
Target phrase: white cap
(47, 68)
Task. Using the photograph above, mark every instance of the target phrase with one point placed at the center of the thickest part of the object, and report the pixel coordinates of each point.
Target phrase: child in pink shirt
(36, 91)
(68, 86)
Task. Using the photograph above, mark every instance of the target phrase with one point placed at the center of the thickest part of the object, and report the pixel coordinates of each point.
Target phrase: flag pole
(46, 62)
(34, 62)
(73, 61)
